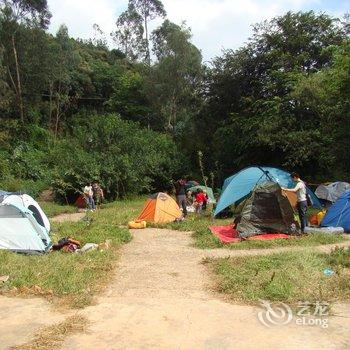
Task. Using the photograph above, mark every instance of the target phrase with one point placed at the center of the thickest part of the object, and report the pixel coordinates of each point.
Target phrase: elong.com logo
(280, 314)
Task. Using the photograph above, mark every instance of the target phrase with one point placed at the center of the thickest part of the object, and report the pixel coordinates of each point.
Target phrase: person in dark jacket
(180, 190)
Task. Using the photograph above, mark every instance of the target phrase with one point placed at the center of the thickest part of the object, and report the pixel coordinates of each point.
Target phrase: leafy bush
(33, 188)
(122, 156)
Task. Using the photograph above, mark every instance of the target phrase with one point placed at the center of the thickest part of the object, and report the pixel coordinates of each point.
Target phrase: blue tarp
(338, 214)
(241, 184)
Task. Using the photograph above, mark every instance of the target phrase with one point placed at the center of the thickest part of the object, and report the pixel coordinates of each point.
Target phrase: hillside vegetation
(136, 115)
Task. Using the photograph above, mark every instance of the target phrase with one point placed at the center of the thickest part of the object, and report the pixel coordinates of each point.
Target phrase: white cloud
(225, 24)
(81, 15)
(216, 24)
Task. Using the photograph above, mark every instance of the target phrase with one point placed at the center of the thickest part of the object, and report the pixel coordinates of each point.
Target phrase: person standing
(301, 192)
(98, 194)
(205, 202)
(180, 190)
(89, 197)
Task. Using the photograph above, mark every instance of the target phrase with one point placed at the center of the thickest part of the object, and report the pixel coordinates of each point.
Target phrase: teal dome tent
(239, 185)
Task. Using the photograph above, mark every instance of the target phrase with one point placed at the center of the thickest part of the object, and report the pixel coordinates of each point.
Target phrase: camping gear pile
(71, 245)
(24, 227)
(67, 244)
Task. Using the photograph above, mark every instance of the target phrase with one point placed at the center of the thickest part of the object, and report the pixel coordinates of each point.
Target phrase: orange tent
(160, 208)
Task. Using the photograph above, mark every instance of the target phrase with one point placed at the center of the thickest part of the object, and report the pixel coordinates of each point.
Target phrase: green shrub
(122, 156)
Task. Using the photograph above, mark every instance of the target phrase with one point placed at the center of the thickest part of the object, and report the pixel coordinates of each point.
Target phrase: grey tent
(20, 231)
(26, 201)
(266, 210)
(332, 191)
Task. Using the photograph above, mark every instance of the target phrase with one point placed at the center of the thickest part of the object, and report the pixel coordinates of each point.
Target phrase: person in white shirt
(301, 191)
(89, 197)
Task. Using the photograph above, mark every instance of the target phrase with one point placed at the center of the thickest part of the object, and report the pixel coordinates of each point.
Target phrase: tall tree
(148, 10)
(325, 96)
(5, 94)
(62, 76)
(22, 12)
(176, 74)
(99, 39)
(254, 118)
(129, 33)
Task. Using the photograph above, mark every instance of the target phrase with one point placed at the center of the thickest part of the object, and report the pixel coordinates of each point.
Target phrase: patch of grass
(52, 337)
(53, 209)
(204, 239)
(288, 277)
(199, 225)
(72, 278)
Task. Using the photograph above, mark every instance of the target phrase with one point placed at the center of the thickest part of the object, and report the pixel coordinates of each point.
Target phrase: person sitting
(190, 202)
(199, 200)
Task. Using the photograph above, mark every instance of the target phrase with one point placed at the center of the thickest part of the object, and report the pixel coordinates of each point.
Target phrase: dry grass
(53, 336)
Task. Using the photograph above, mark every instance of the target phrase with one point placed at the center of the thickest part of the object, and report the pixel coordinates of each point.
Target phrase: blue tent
(338, 214)
(241, 184)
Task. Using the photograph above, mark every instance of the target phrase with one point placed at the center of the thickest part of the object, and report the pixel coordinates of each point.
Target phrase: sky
(215, 24)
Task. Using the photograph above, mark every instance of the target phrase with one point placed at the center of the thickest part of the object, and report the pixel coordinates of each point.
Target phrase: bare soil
(160, 298)
(20, 318)
(74, 217)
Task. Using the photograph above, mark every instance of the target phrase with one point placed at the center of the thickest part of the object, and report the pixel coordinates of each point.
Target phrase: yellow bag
(137, 224)
(320, 216)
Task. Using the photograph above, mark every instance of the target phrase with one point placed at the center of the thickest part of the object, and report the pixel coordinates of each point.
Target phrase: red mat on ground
(227, 234)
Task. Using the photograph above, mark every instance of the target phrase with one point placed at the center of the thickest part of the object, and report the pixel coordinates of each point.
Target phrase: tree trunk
(12, 81)
(50, 111)
(19, 87)
(57, 118)
(148, 58)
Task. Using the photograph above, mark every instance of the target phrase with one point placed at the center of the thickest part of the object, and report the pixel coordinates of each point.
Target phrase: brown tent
(267, 211)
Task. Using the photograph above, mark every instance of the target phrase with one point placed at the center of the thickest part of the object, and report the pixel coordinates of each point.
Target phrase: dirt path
(74, 217)
(159, 299)
(20, 318)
